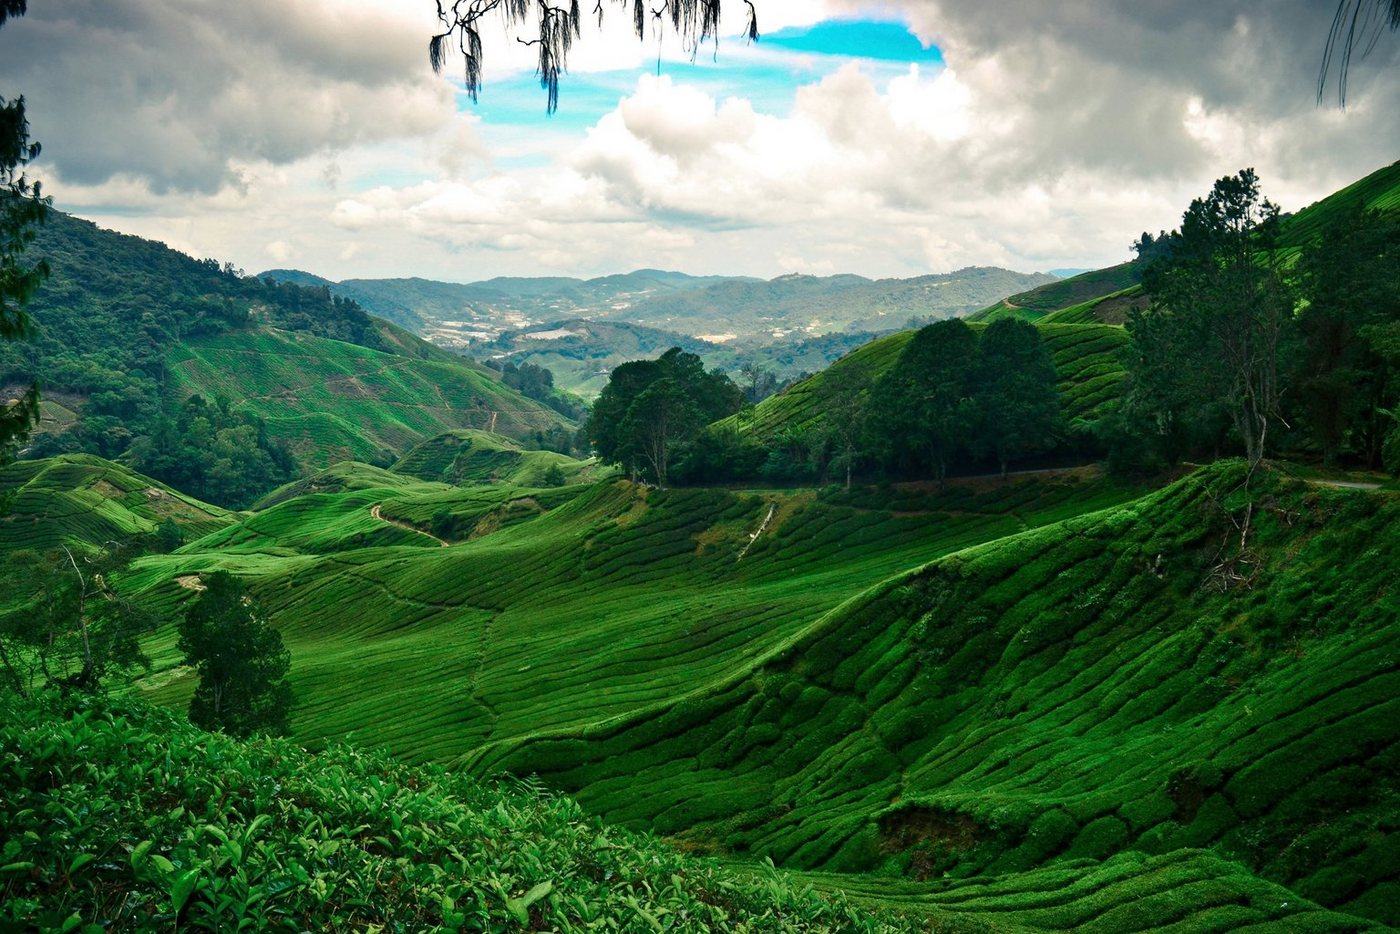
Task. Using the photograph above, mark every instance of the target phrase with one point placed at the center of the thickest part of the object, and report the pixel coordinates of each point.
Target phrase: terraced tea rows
(488, 636)
(1038, 303)
(1183, 891)
(1064, 693)
(79, 499)
(332, 401)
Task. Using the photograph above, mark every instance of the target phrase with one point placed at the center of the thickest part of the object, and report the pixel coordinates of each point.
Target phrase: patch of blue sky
(869, 39)
(767, 73)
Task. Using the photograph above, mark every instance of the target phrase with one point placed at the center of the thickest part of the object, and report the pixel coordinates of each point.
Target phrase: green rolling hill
(1071, 682)
(127, 329)
(83, 500)
(1379, 191)
(330, 401)
(1086, 359)
(1035, 303)
(472, 458)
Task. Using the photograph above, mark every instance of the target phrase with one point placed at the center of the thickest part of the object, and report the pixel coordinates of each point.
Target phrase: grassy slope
(85, 500)
(1034, 304)
(1073, 692)
(333, 401)
(471, 457)
(1379, 191)
(484, 640)
(1085, 357)
(337, 478)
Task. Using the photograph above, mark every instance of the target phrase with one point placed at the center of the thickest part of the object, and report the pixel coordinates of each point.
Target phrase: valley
(582, 329)
(1028, 604)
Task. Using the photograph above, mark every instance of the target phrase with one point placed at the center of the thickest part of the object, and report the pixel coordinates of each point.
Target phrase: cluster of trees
(215, 453)
(955, 396)
(205, 448)
(649, 408)
(537, 382)
(1243, 350)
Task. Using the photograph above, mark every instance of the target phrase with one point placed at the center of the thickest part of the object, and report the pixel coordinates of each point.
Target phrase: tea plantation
(1084, 709)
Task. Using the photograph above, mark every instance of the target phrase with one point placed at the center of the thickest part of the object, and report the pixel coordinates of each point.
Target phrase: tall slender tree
(1219, 307)
(22, 208)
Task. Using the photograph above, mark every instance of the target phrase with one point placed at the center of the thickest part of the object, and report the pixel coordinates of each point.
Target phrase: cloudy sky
(894, 138)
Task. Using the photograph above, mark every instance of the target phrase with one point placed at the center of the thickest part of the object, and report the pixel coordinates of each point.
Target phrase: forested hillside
(229, 386)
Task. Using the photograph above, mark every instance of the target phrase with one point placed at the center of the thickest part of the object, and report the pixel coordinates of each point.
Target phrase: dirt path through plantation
(1346, 484)
(374, 511)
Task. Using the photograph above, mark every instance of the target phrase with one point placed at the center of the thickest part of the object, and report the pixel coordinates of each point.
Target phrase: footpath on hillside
(374, 512)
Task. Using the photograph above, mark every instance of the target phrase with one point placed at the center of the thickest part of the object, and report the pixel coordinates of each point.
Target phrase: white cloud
(280, 250)
(175, 92)
(317, 133)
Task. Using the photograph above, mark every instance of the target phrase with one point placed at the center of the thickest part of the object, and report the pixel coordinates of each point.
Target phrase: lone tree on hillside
(845, 401)
(22, 207)
(554, 29)
(1219, 308)
(241, 662)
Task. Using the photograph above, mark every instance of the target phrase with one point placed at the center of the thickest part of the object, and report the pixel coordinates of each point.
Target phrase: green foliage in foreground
(121, 817)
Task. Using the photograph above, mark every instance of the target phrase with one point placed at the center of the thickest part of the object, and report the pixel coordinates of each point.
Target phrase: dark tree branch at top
(1358, 24)
(695, 21)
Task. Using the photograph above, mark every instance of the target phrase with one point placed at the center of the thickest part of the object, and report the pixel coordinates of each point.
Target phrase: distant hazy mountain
(811, 305)
(739, 319)
(460, 315)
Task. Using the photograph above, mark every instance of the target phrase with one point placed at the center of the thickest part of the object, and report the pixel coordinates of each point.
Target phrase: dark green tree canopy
(1350, 283)
(923, 408)
(1018, 404)
(650, 406)
(240, 659)
(1220, 306)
